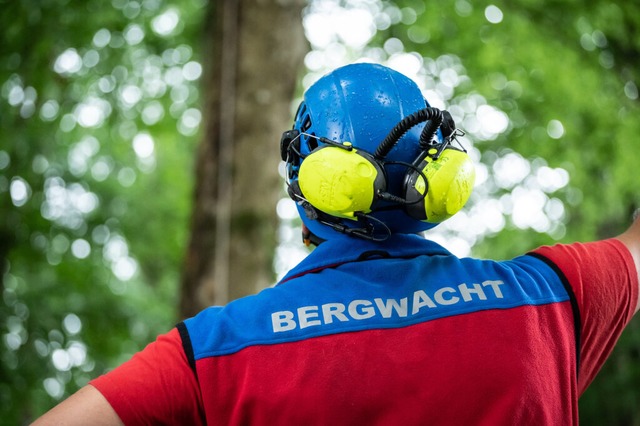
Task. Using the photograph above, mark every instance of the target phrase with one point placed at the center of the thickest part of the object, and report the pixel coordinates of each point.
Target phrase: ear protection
(342, 181)
(440, 186)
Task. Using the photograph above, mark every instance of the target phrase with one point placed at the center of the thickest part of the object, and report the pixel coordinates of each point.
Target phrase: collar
(345, 249)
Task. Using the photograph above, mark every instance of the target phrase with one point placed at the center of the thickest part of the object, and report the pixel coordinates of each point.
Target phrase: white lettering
(420, 299)
(495, 285)
(367, 312)
(331, 310)
(282, 321)
(440, 298)
(386, 309)
(466, 292)
(305, 314)
(360, 309)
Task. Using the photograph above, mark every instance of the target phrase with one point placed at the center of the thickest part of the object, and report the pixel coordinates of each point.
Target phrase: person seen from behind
(378, 325)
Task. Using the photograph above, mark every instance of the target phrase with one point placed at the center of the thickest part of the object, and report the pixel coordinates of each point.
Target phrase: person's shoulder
(578, 251)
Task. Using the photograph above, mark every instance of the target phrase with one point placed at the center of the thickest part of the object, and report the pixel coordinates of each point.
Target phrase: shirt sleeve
(604, 281)
(156, 386)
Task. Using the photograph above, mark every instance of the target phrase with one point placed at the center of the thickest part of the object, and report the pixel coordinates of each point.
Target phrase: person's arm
(631, 239)
(87, 406)
(156, 386)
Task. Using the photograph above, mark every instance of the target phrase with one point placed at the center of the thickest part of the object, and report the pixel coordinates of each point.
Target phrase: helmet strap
(309, 237)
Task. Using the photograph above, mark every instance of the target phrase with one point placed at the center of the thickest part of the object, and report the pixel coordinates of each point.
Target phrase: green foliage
(562, 61)
(99, 111)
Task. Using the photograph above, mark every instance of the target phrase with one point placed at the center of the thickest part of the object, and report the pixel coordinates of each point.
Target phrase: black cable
(433, 115)
(399, 200)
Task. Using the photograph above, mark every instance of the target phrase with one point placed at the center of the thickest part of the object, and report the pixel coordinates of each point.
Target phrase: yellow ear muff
(340, 181)
(450, 180)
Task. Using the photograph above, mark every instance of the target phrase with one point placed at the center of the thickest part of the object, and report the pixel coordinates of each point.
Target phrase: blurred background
(140, 166)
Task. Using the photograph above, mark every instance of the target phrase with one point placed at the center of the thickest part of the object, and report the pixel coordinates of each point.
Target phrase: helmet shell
(360, 103)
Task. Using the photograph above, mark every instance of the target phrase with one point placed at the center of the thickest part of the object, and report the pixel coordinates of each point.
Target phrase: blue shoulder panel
(397, 292)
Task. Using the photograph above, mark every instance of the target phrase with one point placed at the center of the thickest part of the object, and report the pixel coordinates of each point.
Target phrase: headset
(337, 181)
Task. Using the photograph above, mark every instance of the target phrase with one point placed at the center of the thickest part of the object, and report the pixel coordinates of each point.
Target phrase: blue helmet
(355, 107)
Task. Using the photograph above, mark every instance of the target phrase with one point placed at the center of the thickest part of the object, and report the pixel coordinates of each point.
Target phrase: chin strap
(367, 231)
(309, 237)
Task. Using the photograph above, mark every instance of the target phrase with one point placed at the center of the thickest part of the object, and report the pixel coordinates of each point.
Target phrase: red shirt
(515, 365)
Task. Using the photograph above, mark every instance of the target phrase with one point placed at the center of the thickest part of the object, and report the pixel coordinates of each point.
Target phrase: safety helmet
(352, 110)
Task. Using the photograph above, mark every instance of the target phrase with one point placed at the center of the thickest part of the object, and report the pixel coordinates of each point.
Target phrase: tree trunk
(255, 50)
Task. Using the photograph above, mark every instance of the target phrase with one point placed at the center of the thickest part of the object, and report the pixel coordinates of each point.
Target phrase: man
(378, 325)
